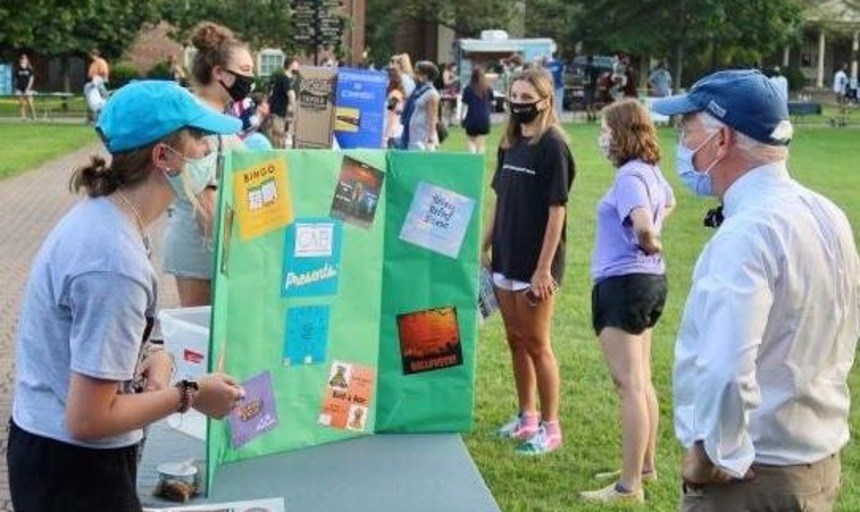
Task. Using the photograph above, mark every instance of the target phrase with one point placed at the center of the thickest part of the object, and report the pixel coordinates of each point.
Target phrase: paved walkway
(30, 205)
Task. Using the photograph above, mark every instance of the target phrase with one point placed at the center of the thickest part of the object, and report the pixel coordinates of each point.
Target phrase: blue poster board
(5, 79)
(360, 108)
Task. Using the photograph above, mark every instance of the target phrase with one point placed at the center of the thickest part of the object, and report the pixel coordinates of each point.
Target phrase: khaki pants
(804, 487)
(278, 133)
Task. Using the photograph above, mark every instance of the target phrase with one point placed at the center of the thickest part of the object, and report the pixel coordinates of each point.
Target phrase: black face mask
(524, 113)
(241, 88)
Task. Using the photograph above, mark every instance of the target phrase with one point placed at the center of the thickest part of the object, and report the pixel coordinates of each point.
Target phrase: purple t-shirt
(616, 250)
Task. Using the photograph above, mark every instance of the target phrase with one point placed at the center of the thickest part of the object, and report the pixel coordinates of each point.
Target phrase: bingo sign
(312, 258)
(360, 108)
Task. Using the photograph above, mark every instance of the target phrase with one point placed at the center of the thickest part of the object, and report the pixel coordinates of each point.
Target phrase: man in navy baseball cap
(772, 309)
(745, 100)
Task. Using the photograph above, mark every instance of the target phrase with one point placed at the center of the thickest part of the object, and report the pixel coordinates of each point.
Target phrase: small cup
(177, 471)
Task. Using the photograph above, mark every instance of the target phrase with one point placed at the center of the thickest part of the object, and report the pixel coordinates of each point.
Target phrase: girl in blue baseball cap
(87, 380)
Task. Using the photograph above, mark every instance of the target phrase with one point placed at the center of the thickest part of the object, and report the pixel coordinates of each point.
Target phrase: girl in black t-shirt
(24, 78)
(524, 246)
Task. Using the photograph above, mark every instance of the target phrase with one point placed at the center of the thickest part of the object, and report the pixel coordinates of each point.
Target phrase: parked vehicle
(574, 79)
(490, 49)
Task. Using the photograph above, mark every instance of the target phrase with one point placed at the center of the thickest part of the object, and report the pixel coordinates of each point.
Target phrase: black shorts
(631, 303)
(475, 131)
(46, 475)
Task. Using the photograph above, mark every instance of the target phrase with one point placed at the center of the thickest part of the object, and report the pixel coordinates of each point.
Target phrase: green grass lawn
(27, 145)
(821, 158)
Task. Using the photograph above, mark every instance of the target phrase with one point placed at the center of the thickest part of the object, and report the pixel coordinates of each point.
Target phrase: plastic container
(186, 337)
(185, 472)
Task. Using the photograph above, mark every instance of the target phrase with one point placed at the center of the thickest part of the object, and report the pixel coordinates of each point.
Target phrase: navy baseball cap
(145, 111)
(742, 99)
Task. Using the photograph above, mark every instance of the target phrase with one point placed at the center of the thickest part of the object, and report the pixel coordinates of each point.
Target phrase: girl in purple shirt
(630, 286)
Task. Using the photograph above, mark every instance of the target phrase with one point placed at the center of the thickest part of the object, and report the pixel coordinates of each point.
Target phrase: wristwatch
(187, 392)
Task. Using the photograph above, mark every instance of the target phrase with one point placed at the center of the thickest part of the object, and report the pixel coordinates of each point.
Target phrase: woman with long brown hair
(524, 246)
(396, 97)
(630, 287)
(222, 73)
(478, 100)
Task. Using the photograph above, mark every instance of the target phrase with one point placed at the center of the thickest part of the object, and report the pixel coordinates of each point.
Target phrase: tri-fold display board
(345, 296)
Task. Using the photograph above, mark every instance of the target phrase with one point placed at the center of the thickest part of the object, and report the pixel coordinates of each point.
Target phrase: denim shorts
(188, 253)
(632, 302)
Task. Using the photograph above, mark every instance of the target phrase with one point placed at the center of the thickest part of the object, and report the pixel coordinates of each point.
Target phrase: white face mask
(699, 182)
(196, 175)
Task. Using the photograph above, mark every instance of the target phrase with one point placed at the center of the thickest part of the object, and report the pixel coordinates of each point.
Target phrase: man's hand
(697, 468)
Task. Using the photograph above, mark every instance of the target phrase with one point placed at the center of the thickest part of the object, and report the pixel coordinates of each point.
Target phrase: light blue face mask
(697, 181)
(198, 173)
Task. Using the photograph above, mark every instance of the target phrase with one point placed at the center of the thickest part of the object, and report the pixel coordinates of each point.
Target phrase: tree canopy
(62, 28)
(702, 33)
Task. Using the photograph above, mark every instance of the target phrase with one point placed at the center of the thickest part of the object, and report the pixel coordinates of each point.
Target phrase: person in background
(631, 81)
(84, 385)
(478, 101)
(555, 67)
(99, 69)
(630, 288)
(25, 77)
(282, 102)
(840, 84)
(223, 74)
(770, 328)
(660, 81)
(450, 92)
(619, 77)
(396, 99)
(421, 112)
(590, 81)
(780, 83)
(95, 90)
(260, 120)
(524, 245)
(407, 74)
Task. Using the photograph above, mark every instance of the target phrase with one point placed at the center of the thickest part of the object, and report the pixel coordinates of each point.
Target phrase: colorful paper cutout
(256, 414)
(263, 198)
(437, 219)
(306, 335)
(429, 340)
(357, 194)
(348, 395)
(312, 258)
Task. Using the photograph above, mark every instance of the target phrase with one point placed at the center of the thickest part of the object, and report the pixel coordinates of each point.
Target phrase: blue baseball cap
(145, 111)
(745, 100)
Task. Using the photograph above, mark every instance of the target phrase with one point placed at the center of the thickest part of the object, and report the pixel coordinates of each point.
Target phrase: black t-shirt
(279, 101)
(528, 180)
(22, 78)
(478, 109)
(591, 76)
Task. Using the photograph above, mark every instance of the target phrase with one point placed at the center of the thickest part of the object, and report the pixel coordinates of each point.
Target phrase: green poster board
(344, 297)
